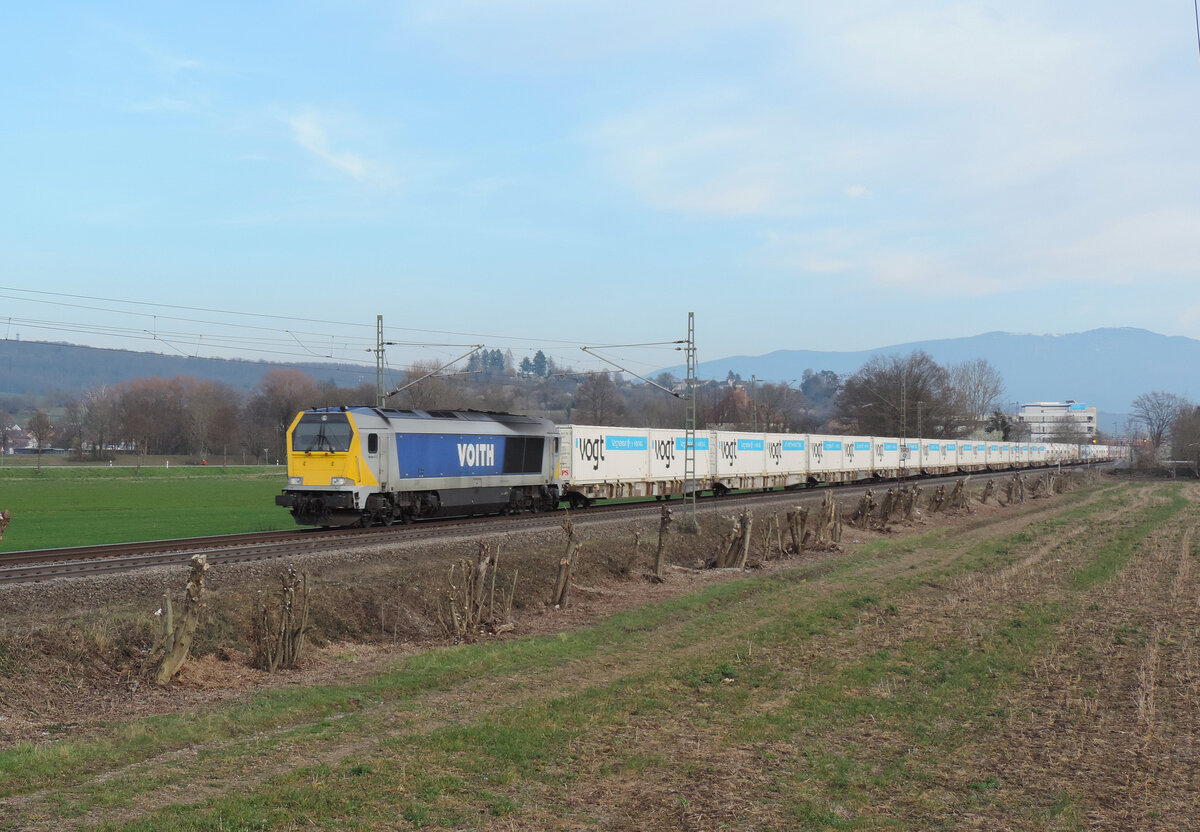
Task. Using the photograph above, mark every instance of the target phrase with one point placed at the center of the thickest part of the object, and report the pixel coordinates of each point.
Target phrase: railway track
(87, 561)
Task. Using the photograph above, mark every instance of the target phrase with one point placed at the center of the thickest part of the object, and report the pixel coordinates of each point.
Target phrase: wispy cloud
(311, 130)
(712, 154)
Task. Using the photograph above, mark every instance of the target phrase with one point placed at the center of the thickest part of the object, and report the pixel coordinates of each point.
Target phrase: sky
(265, 179)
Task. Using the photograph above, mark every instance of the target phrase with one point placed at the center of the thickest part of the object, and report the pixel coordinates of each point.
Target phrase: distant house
(13, 437)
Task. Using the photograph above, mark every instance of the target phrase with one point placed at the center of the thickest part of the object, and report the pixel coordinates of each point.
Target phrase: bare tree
(73, 424)
(977, 386)
(422, 391)
(1156, 412)
(901, 395)
(152, 415)
(100, 418)
(211, 417)
(780, 407)
(1185, 435)
(280, 395)
(598, 401)
(42, 432)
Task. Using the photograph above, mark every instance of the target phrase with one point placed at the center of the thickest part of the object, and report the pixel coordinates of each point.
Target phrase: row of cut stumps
(822, 530)
(477, 599)
(279, 630)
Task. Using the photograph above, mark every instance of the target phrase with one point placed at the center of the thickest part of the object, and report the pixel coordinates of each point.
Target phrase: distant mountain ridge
(38, 368)
(1107, 368)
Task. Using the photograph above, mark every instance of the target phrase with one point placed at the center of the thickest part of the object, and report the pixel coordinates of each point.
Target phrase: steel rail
(85, 561)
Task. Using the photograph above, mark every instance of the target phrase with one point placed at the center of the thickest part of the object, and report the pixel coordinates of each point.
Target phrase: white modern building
(1051, 421)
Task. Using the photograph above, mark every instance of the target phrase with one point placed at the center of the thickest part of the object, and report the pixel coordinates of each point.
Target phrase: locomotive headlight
(295, 480)
(341, 481)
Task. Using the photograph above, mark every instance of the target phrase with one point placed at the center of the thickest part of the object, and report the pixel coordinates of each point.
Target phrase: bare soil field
(1032, 666)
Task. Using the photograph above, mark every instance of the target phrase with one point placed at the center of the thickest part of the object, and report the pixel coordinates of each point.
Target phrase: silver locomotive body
(362, 465)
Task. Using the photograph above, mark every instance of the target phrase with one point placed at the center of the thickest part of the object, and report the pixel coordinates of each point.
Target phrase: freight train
(365, 465)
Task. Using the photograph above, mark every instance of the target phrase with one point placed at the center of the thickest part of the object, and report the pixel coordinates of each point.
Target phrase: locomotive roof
(391, 413)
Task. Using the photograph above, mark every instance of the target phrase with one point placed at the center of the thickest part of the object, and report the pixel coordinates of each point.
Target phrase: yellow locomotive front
(328, 480)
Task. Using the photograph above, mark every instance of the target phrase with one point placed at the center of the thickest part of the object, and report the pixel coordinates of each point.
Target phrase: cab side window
(372, 443)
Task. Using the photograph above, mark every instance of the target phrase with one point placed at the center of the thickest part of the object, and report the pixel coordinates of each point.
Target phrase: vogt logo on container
(729, 449)
(592, 450)
(664, 451)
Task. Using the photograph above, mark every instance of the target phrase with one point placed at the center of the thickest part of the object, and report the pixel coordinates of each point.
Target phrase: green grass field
(85, 506)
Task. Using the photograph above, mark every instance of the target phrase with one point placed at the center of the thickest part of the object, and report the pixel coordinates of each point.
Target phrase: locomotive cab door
(377, 459)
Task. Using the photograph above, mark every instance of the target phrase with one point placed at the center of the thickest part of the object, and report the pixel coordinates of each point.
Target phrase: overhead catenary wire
(260, 334)
(487, 337)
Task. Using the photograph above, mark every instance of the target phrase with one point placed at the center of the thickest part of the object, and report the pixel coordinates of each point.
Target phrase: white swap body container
(885, 456)
(741, 459)
(972, 455)
(668, 449)
(606, 462)
(787, 459)
(949, 458)
(999, 455)
(931, 455)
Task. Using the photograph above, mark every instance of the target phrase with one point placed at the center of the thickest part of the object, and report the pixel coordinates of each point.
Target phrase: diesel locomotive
(363, 465)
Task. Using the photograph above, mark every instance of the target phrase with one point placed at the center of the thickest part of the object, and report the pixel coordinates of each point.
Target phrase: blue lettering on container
(625, 443)
(950, 447)
(701, 443)
(750, 444)
(891, 446)
(793, 444)
(934, 446)
(832, 445)
(862, 446)
(995, 447)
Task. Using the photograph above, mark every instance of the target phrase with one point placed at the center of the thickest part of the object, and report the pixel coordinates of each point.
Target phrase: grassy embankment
(898, 686)
(84, 506)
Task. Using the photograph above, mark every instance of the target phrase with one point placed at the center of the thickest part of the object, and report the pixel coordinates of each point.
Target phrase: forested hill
(37, 368)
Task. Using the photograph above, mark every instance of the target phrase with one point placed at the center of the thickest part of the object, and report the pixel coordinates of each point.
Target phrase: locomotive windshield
(322, 432)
